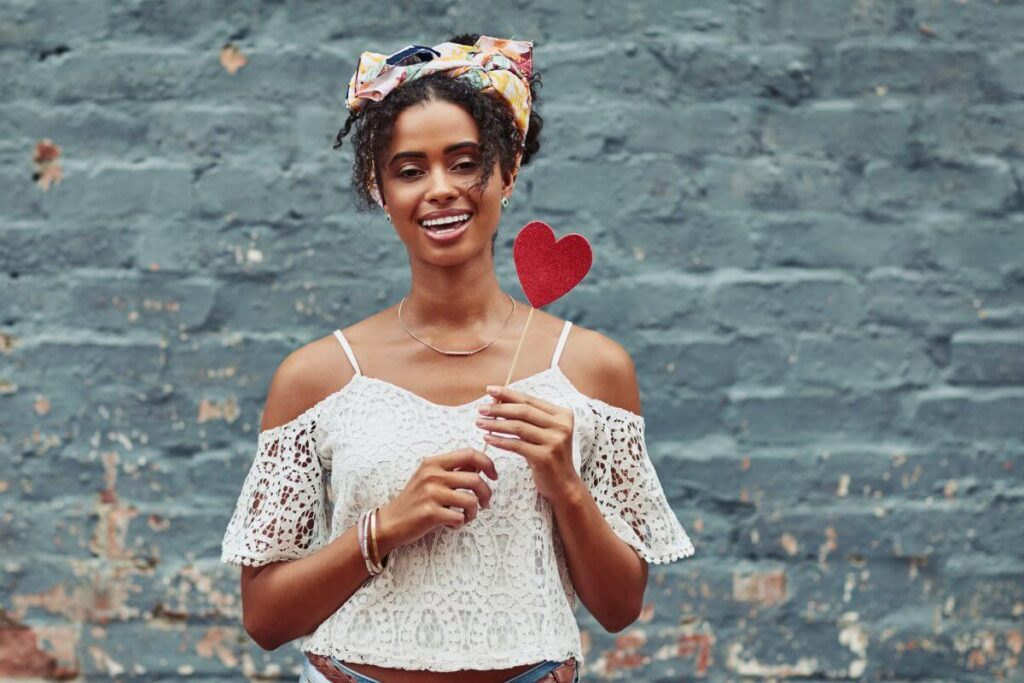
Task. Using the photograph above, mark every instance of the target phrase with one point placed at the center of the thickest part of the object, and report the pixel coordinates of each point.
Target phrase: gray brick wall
(808, 221)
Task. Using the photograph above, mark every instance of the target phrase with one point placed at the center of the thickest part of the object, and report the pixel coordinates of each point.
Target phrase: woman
(436, 561)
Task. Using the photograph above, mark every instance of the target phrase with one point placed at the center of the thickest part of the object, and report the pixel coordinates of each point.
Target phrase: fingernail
(493, 389)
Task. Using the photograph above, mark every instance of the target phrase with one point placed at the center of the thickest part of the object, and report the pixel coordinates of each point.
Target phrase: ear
(508, 183)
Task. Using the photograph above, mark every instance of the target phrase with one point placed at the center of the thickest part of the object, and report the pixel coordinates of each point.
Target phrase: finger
(506, 397)
(466, 459)
(452, 518)
(525, 413)
(472, 481)
(523, 448)
(484, 463)
(466, 500)
(518, 428)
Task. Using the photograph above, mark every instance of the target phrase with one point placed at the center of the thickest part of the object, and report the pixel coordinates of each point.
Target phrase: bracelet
(374, 552)
(381, 563)
(367, 535)
(361, 525)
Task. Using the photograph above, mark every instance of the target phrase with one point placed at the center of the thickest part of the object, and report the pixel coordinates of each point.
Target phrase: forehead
(432, 126)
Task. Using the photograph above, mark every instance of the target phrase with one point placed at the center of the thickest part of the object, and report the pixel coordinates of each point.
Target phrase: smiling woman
(369, 529)
(502, 144)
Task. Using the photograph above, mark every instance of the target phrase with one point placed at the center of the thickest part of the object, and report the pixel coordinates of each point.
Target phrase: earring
(389, 217)
(504, 201)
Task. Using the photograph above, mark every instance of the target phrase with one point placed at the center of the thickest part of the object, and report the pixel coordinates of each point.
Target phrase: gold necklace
(456, 353)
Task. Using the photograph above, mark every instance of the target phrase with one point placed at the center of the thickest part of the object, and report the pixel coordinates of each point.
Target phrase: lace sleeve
(281, 513)
(622, 480)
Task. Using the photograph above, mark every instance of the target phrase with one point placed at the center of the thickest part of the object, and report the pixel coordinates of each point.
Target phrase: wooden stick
(519, 348)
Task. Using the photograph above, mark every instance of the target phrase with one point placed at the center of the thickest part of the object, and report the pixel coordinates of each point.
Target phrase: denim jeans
(545, 671)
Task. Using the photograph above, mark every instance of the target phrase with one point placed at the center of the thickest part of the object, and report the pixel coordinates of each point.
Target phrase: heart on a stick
(548, 268)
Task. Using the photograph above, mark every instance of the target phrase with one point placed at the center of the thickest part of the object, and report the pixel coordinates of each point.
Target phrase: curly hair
(500, 138)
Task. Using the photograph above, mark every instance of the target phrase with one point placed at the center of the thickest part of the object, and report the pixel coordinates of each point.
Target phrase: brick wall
(808, 220)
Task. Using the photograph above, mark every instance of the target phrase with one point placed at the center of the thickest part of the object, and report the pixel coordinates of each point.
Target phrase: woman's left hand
(545, 434)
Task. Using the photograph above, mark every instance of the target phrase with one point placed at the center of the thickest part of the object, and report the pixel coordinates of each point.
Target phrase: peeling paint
(763, 588)
(829, 546)
(789, 544)
(41, 405)
(232, 59)
(854, 636)
(804, 666)
(699, 646)
(46, 163)
(43, 652)
(226, 410)
(8, 342)
(104, 661)
(217, 642)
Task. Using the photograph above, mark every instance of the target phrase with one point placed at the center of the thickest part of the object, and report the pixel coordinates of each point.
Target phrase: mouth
(448, 228)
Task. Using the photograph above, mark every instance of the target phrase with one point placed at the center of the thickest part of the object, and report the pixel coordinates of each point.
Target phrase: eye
(412, 171)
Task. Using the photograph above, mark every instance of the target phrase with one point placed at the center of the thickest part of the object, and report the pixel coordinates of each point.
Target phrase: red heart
(548, 269)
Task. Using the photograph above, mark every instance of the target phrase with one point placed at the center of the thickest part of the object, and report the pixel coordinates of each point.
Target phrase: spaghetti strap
(561, 343)
(348, 350)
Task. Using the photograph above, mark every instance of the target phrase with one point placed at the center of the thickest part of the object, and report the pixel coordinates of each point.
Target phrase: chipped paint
(232, 59)
(626, 654)
(41, 405)
(8, 342)
(762, 588)
(804, 666)
(789, 544)
(699, 646)
(42, 652)
(46, 164)
(843, 489)
(105, 662)
(854, 636)
(829, 546)
(226, 410)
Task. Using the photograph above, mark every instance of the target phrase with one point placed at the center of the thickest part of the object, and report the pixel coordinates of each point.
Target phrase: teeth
(445, 221)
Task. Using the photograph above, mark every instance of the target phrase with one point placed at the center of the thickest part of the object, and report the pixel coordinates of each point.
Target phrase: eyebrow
(421, 155)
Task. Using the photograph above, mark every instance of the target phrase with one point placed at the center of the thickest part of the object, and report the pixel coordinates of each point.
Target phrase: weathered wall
(808, 220)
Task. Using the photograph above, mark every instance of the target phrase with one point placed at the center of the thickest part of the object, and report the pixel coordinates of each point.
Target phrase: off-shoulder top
(493, 594)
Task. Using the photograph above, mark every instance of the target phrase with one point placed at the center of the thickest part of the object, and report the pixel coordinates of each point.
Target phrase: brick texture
(808, 221)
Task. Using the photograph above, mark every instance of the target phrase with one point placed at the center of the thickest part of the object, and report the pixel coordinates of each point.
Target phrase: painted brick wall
(808, 220)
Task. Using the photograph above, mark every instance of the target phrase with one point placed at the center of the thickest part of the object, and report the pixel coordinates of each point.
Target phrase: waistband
(324, 669)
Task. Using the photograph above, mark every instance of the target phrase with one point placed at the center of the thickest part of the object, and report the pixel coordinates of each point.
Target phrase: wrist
(574, 496)
(387, 534)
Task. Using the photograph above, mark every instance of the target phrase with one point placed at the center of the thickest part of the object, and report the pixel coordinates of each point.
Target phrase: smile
(447, 229)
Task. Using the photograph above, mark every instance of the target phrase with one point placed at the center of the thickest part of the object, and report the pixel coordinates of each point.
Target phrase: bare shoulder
(601, 368)
(305, 377)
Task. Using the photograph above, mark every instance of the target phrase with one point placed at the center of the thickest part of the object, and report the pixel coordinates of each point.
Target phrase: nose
(441, 188)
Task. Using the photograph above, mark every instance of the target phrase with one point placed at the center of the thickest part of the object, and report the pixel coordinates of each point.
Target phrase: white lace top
(493, 594)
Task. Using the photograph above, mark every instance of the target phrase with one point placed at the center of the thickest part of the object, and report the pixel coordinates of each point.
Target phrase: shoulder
(305, 377)
(604, 368)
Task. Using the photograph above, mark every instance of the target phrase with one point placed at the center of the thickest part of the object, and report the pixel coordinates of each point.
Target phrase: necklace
(456, 353)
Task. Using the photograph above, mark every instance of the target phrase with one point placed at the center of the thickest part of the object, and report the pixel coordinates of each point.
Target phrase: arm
(609, 576)
(284, 600)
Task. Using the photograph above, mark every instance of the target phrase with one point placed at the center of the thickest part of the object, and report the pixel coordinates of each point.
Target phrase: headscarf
(491, 63)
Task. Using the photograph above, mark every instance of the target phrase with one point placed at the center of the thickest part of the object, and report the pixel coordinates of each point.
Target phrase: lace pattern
(493, 594)
(622, 479)
(281, 513)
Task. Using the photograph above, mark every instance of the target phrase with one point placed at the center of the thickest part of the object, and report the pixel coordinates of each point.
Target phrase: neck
(453, 304)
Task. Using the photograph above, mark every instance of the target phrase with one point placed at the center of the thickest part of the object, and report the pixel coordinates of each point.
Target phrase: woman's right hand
(426, 500)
